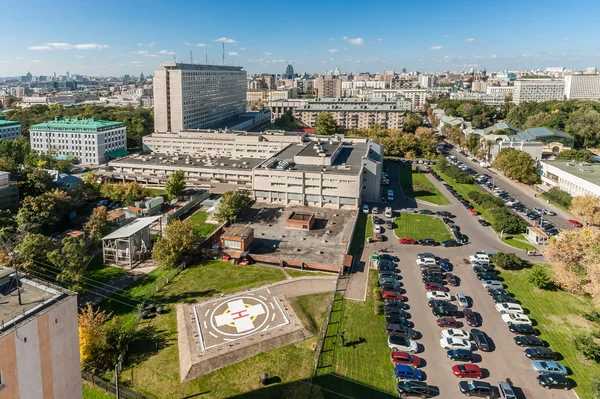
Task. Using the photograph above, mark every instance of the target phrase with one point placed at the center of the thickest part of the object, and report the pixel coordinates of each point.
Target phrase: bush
(559, 196)
(596, 387)
(507, 221)
(458, 175)
(508, 261)
(540, 278)
(488, 201)
(587, 345)
(377, 301)
(594, 316)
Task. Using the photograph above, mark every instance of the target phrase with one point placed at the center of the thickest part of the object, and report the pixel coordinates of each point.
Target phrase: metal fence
(109, 387)
(323, 332)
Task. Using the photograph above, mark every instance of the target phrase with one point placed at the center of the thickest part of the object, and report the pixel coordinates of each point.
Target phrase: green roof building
(9, 129)
(91, 141)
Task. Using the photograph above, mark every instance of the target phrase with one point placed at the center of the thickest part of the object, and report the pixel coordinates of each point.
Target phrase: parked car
(426, 261)
(402, 344)
(445, 214)
(396, 303)
(509, 308)
(395, 312)
(447, 322)
(484, 223)
(477, 388)
(387, 279)
(388, 212)
(454, 343)
(396, 286)
(404, 372)
(498, 291)
(389, 224)
(539, 353)
(473, 212)
(460, 355)
(416, 388)
(467, 371)
(435, 287)
(388, 274)
(451, 243)
(471, 317)
(554, 381)
(451, 279)
(407, 241)
(528, 340)
(392, 295)
(439, 295)
(522, 329)
(503, 299)
(484, 268)
(445, 265)
(543, 367)
(377, 229)
(432, 279)
(435, 303)
(425, 212)
(487, 276)
(400, 331)
(481, 340)
(399, 357)
(455, 333)
(430, 242)
(388, 257)
(462, 300)
(515, 318)
(444, 311)
(575, 223)
(365, 208)
(492, 284)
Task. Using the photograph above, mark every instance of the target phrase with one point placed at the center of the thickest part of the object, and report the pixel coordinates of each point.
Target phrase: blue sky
(112, 37)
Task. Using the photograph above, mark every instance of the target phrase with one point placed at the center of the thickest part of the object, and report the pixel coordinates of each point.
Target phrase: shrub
(540, 278)
(507, 221)
(559, 196)
(508, 261)
(596, 387)
(377, 301)
(488, 201)
(587, 345)
(594, 316)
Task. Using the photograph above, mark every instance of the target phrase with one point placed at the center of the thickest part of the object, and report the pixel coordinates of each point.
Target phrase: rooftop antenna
(191, 57)
(223, 53)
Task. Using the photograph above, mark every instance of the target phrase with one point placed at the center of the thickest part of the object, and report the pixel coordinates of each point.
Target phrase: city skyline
(355, 37)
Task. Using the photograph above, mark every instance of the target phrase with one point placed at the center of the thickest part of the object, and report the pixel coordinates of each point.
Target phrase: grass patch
(558, 315)
(302, 273)
(198, 220)
(367, 361)
(101, 272)
(517, 241)
(155, 372)
(92, 392)
(369, 228)
(155, 192)
(311, 310)
(556, 204)
(419, 226)
(418, 186)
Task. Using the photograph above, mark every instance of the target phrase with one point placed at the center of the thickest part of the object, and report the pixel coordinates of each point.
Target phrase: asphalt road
(507, 359)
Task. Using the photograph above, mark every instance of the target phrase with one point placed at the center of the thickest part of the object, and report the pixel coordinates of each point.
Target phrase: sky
(116, 37)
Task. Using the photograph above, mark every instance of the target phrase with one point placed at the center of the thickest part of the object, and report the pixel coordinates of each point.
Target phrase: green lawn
(369, 228)
(92, 392)
(419, 226)
(517, 241)
(418, 186)
(155, 192)
(301, 273)
(556, 204)
(100, 272)
(558, 317)
(198, 220)
(367, 361)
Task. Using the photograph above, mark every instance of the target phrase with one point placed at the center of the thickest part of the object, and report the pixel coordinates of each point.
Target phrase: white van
(480, 258)
(390, 195)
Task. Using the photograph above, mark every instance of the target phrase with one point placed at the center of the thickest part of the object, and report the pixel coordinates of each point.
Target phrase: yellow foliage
(90, 330)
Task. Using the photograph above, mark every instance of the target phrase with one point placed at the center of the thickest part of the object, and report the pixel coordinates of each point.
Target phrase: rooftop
(586, 171)
(395, 106)
(199, 67)
(6, 123)
(77, 124)
(131, 228)
(187, 163)
(547, 132)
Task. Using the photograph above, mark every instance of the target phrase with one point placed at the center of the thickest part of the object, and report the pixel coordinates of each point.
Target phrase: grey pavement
(303, 286)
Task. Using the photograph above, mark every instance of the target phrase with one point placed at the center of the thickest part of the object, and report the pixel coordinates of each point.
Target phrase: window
(232, 244)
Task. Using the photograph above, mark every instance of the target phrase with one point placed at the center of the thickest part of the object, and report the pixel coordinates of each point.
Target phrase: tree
(441, 162)
(37, 214)
(559, 196)
(175, 185)
(325, 124)
(127, 193)
(540, 278)
(587, 207)
(517, 165)
(508, 261)
(98, 225)
(587, 345)
(412, 122)
(584, 126)
(32, 254)
(233, 204)
(90, 323)
(472, 142)
(65, 203)
(179, 238)
(71, 259)
(576, 155)
(37, 182)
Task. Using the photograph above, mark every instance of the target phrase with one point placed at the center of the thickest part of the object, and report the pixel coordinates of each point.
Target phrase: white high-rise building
(427, 81)
(538, 90)
(582, 87)
(193, 96)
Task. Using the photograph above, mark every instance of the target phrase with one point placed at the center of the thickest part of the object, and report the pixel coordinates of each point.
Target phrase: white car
(377, 229)
(426, 261)
(375, 210)
(479, 257)
(365, 208)
(388, 212)
(456, 333)
(454, 343)
(515, 318)
(402, 344)
(492, 284)
(444, 296)
(509, 308)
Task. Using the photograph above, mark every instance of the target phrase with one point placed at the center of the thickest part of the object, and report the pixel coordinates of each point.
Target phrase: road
(506, 360)
(523, 194)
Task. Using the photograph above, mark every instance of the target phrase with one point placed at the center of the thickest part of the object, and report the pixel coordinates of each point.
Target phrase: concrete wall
(159, 83)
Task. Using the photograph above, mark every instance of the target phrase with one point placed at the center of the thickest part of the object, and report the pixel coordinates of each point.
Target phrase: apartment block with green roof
(9, 129)
(91, 141)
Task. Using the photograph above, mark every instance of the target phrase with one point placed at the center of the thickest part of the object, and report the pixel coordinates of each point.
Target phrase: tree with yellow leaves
(90, 332)
(587, 208)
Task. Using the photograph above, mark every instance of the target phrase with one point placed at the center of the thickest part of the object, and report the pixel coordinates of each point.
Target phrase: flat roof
(577, 169)
(77, 124)
(5, 123)
(131, 228)
(172, 161)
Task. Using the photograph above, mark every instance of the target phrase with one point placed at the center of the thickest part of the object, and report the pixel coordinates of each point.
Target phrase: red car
(575, 223)
(435, 287)
(467, 371)
(392, 295)
(473, 212)
(471, 318)
(408, 241)
(399, 357)
(451, 279)
(447, 322)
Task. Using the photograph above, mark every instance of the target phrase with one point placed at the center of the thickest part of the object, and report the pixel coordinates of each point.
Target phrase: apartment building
(9, 192)
(9, 129)
(352, 113)
(305, 86)
(489, 99)
(39, 341)
(538, 90)
(92, 141)
(328, 87)
(193, 96)
(582, 87)
(417, 97)
(427, 81)
(278, 108)
(500, 90)
(270, 95)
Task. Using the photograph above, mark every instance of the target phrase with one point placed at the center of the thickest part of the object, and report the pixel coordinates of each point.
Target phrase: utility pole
(15, 264)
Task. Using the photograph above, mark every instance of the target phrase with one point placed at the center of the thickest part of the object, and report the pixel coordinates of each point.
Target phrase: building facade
(538, 90)
(39, 340)
(500, 90)
(9, 193)
(582, 87)
(192, 96)
(92, 141)
(417, 97)
(278, 108)
(9, 129)
(576, 178)
(489, 99)
(328, 87)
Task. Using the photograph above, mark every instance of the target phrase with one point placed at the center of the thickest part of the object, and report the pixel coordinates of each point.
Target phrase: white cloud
(67, 46)
(80, 56)
(469, 39)
(225, 40)
(136, 62)
(19, 58)
(493, 56)
(151, 55)
(435, 48)
(141, 52)
(6, 62)
(258, 60)
(379, 39)
(333, 50)
(166, 52)
(332, 39)
(244, 48)
(233, 53)
(151, 44)
(140, 44)
(202, 45)
(187, 44)
(566, 39)
(331, 59)
(37, 61)
(355, 42)
(268, 53)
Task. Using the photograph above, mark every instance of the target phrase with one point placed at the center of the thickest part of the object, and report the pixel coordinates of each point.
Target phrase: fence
(109, 387)
(324, 328)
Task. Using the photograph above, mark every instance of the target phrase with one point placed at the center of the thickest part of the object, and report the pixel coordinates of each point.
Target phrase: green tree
(559, 196)
(70, 259)
(517, 165)
(540, 278)
(233, 204)
(37, 214)
(32, 254)
(37, 182)
(584, 126)
(411, 122)
(179, 238)
(586, 344)
(472, 142)
(576, 155)
(508, 261)
(325, 124)
(127, 193)
(441, 162)
(175, 185)
(98, 225)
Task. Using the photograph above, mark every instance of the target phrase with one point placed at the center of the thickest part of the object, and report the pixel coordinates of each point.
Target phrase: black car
(444, 311)
(430, 242)
(396, 304)
(396, 287)
(389, 273)
(481, 340)
(425, 212)
(450, 243)
(446, 220)
(554, 381)
(477, 388)
(393, 311)
(394, 320)
(389, 257)
(432, 279)
(539, 353)
(487, 276)
(462, 238)
(445, 214)
(504, 299)
(416, 388)
(461, 355)
(498, 291)
(483, 268)
(528, 340)
(484, 223)
(398, 330)
(522, 329)
(471, 317)
(432, 273)
(436, 303)
(377, 220)
(427, 255)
